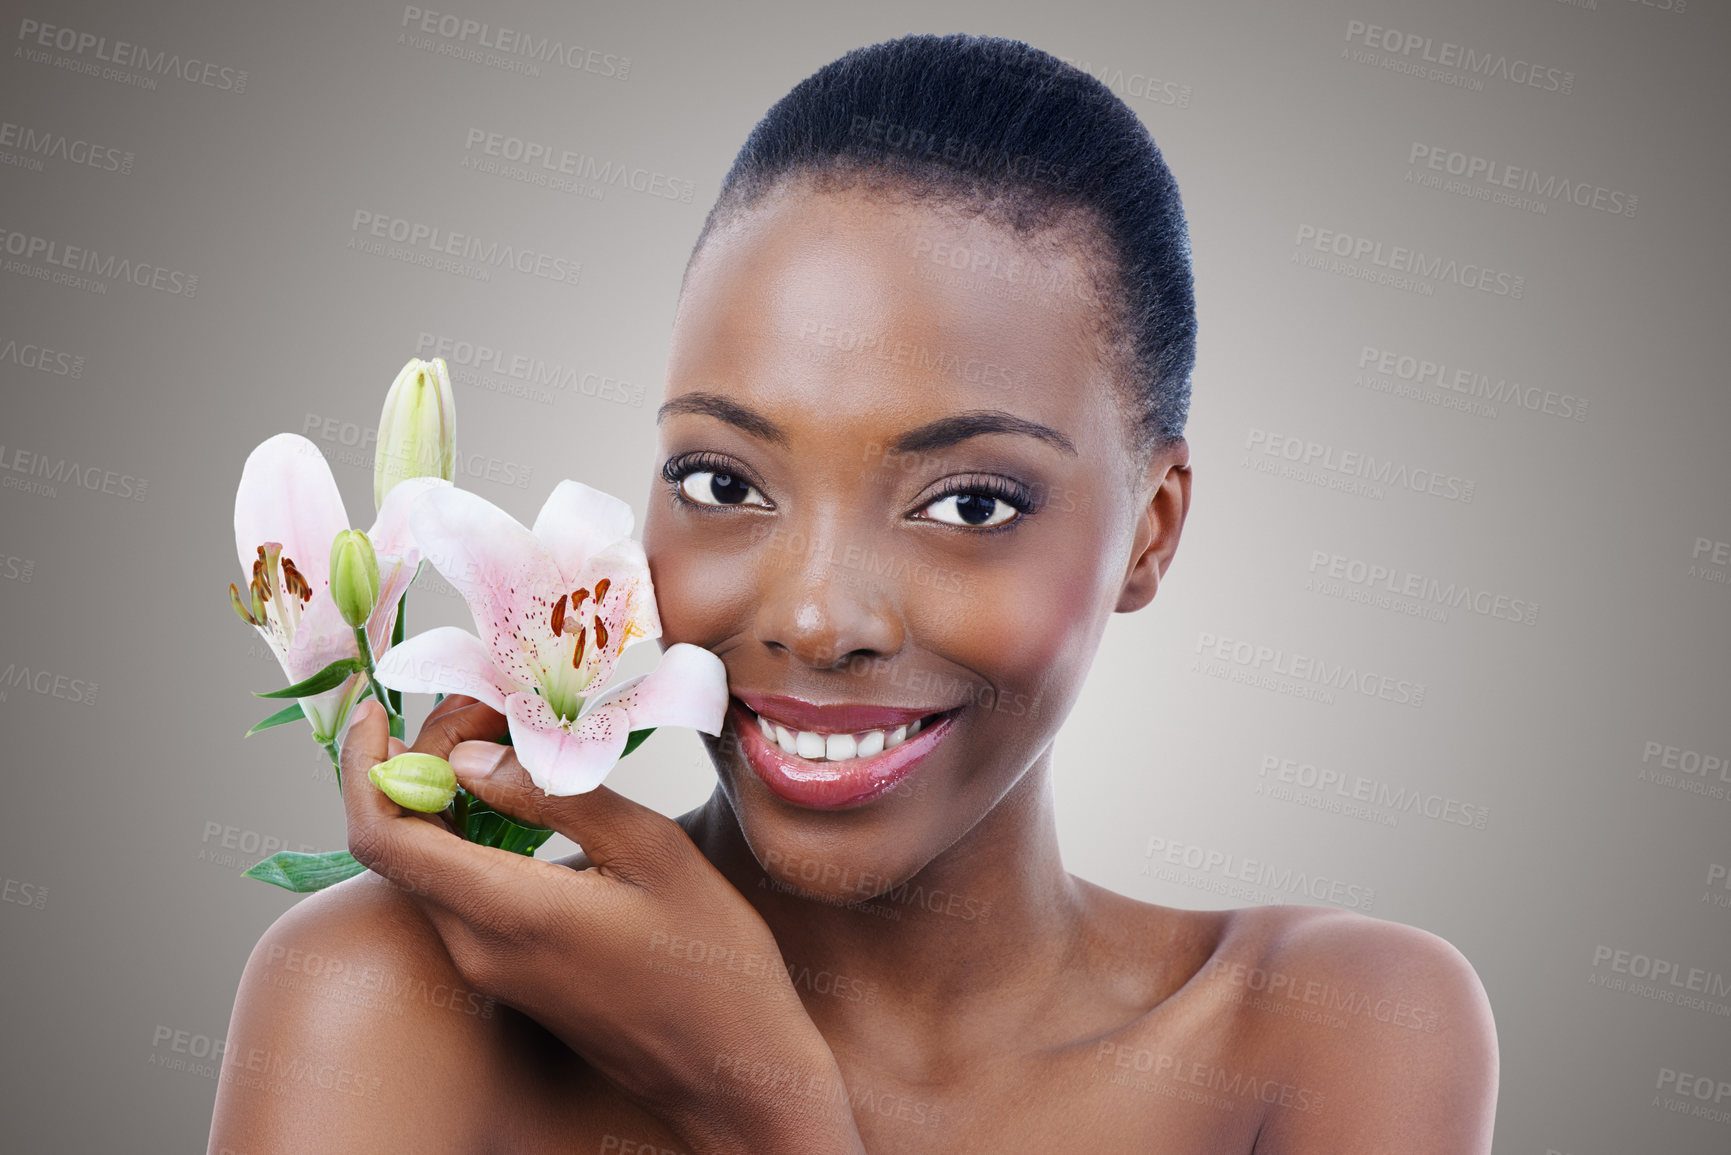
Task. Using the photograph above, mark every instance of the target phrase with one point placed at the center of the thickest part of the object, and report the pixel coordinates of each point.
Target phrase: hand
(585, 952)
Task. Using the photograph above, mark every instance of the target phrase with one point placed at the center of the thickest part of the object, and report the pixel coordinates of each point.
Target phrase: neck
(992, 921)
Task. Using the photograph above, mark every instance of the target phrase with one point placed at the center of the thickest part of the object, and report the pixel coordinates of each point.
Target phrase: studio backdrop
(1446, 641)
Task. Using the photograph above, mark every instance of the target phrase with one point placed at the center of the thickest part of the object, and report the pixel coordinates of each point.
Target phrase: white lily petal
(445, 660)
(687, 688)
(562, 761)
(507, 576)
(287, 494)
(577, 522)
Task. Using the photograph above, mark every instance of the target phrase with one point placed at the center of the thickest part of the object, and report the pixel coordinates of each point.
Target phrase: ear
(1167, 485)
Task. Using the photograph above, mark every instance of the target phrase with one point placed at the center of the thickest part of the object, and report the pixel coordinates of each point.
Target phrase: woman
(922, 436)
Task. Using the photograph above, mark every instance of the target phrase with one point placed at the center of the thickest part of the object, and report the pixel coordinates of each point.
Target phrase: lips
(840, 718)
(835, 775)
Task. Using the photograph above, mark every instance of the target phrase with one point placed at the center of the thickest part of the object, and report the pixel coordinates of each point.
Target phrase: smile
(833, 768)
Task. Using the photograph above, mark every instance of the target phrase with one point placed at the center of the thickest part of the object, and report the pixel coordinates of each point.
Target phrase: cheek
(701, 592)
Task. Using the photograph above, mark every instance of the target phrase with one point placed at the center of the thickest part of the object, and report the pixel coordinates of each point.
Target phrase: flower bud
(417, 429)
(423, 782)
(354, 576)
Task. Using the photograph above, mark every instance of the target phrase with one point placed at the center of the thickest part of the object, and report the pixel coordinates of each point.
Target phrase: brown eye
(714, 487)
(972, 508)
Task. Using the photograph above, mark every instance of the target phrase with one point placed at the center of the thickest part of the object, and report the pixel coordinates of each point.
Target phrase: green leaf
(303, 873)
(289, 713)
(328, 678)
(488, 827)
(636, 740)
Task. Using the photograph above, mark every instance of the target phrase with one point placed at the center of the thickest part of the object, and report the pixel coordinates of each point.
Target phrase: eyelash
(1012, 493)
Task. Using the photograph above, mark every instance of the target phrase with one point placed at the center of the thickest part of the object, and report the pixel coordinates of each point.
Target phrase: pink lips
(830, 785)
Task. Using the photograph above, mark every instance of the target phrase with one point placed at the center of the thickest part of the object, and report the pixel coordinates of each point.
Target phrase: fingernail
(476, 759)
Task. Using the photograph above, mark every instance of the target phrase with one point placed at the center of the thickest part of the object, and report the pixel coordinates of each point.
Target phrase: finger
(458, 718)
(366, 808)
(487, 889)
(615, 832)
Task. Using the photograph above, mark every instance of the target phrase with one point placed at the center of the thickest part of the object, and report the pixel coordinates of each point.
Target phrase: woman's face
(893, 485)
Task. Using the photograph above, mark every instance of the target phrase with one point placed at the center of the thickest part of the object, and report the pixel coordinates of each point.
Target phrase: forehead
(842, 300)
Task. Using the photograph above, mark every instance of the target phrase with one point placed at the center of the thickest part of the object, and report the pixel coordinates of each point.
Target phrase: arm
(1415, 1067)
(584, 952)
(351, 1031)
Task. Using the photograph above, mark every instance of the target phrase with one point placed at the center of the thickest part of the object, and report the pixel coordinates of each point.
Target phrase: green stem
(366, 649)
(460, 812)
(397, 632)
(330, 745)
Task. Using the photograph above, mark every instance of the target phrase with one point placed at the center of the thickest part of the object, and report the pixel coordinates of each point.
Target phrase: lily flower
(555, 607)
(287, 514)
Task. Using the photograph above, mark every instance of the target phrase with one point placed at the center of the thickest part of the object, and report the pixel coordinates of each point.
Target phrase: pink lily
(555, 606)
(287, 511)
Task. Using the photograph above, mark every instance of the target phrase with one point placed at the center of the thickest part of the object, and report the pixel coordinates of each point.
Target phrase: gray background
(132, 802)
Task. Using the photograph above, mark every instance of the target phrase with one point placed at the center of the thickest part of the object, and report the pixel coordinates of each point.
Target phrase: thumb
(625, 836)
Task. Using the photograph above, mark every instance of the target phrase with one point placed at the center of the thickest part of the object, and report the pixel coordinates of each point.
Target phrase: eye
(713, 487)
(980, 503)
(703, 479)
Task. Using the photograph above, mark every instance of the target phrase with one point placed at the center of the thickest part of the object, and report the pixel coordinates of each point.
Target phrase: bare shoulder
(1388, 1025)
(351, 1030)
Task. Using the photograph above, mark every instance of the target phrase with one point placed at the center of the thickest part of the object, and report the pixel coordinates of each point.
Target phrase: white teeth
(816, 747)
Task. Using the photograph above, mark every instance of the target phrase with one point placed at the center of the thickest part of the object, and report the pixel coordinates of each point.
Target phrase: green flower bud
(417, 429)
(423, 782)
(354, 576)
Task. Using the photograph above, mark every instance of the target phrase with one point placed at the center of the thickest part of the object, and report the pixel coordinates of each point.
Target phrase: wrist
(778, 1102)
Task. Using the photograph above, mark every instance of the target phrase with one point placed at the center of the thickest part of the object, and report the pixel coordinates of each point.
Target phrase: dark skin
(917, 973)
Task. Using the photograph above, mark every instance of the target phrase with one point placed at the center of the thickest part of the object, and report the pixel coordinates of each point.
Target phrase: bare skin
(914, 973)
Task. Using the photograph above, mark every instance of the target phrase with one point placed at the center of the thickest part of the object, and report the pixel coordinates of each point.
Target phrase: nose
(822, 608)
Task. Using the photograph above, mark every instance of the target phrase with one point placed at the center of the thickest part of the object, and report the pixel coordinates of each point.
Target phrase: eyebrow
(939, 434)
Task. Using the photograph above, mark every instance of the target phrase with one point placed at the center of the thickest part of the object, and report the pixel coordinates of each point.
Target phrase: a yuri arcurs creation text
(554, 607)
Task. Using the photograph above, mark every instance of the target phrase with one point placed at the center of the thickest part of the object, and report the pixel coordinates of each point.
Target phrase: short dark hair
(1015, 134)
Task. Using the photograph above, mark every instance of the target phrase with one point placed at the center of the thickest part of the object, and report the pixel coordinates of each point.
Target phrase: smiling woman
(922, 437)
